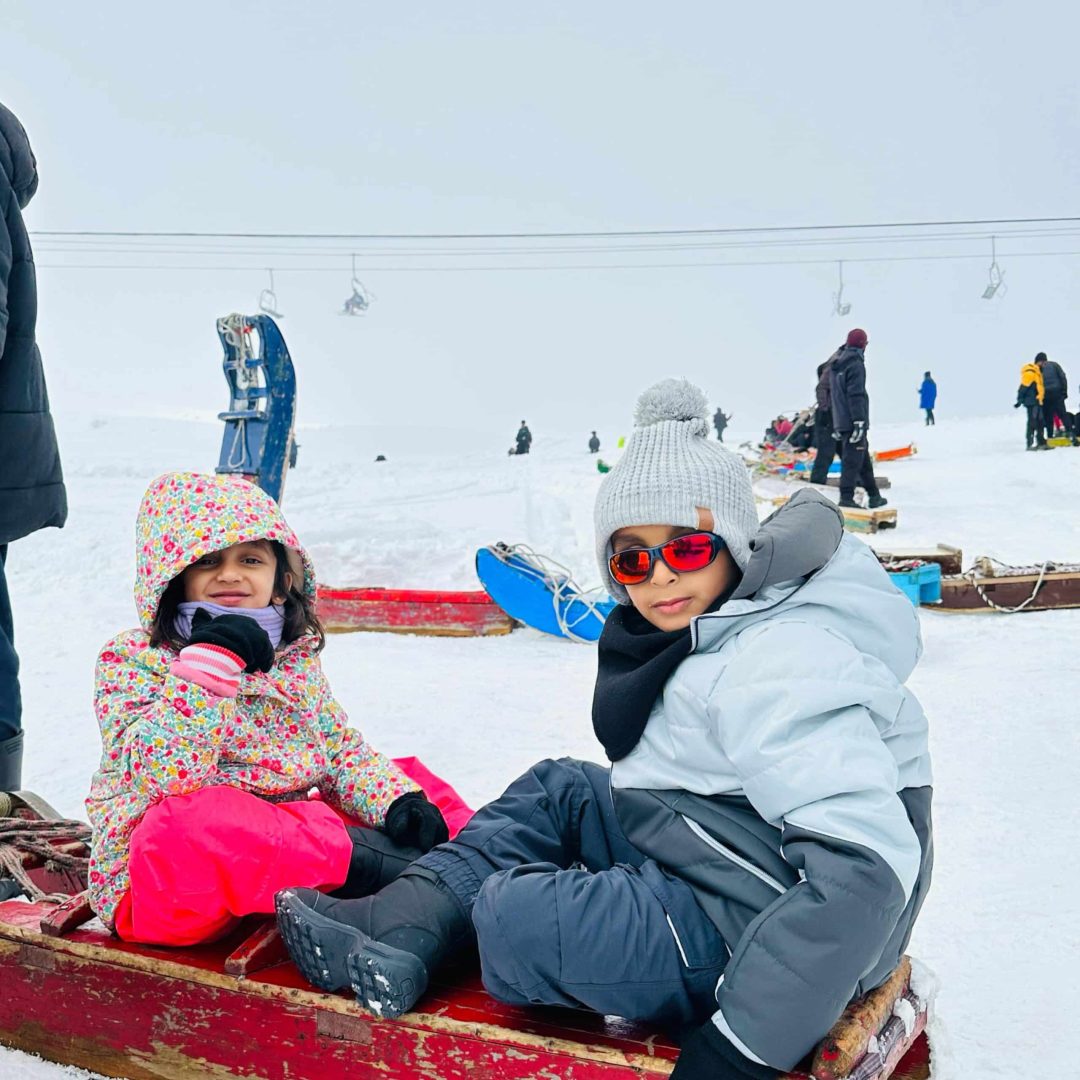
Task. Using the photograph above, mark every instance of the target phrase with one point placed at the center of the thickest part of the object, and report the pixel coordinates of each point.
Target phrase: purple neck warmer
(271, 619)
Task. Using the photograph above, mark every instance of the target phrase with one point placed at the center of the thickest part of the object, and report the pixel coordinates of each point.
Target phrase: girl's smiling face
(665, 598)
(239, 576)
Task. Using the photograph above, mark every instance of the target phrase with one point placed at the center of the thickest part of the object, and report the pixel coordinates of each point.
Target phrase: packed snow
(999, 928)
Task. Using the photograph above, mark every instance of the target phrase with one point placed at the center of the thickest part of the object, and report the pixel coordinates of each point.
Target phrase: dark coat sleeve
(853, 381)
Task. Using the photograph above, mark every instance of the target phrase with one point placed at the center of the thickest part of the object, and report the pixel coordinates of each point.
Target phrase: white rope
(557, 580)
(983, 563)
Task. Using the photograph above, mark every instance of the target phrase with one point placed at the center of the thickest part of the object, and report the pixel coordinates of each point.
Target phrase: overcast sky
(501, 117)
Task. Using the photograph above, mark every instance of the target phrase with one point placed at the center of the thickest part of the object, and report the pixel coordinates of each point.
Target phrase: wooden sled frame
(75, 994)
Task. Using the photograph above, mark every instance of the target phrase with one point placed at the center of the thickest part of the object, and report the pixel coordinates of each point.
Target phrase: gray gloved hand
(858, 435)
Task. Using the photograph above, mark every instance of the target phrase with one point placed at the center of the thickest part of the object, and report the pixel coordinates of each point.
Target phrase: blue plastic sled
(540, 593)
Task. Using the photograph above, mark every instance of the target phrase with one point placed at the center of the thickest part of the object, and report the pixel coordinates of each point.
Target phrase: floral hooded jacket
(283, 733)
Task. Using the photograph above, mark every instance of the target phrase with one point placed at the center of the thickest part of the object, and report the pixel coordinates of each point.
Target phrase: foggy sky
(490, 117)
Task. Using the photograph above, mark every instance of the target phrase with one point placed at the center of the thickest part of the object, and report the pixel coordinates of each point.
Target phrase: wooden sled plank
(147, 1013)
(950, 559)
(143, 1013)
(962, 593)
(868, 521)
(429, 612)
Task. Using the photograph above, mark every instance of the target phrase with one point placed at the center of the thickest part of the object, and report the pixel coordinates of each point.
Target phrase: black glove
(858, 435)
(707, 1055)
(237, 633)
(1017, 405)
(412, 821)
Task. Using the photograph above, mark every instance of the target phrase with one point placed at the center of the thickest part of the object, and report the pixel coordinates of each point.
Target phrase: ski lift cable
(700, 264)
(584, 234)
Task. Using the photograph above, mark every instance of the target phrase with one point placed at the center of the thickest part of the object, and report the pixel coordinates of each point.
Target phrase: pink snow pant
(199, 862)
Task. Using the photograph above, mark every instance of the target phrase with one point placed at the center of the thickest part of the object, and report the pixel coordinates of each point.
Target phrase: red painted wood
(436, 612)
(92, 1000)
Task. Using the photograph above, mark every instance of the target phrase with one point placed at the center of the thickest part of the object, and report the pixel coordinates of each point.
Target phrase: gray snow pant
(568, 912)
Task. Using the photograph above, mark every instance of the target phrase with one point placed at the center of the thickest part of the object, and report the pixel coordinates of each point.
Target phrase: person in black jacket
(824, 443)
(720, 422)
(1055, 391)
(851, 420)
(32, 494)
(594, 443)
(523, 438)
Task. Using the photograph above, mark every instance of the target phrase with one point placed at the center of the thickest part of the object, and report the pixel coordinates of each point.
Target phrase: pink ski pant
(199, 862)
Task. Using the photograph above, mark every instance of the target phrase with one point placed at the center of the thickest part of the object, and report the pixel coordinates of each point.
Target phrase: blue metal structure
(258, 441)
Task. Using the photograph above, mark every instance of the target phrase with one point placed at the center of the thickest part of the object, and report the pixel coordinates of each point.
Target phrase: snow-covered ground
(1000, 925)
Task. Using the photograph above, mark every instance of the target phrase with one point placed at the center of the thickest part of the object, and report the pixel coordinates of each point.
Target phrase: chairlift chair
(268, 300)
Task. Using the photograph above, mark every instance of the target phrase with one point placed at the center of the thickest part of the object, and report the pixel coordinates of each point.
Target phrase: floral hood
(185, 516)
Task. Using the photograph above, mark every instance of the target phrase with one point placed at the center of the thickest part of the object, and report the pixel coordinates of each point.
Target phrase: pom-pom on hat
(668, 470)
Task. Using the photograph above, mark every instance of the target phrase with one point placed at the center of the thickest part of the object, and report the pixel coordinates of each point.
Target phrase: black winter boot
(849, 502)
(876, 501)
(385, 946)
(11, 755)
(376, 861)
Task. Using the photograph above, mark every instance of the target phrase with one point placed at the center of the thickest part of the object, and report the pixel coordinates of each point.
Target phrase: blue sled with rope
(540, 593)
(259, 441)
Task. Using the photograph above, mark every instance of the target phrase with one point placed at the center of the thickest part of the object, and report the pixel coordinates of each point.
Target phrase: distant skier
(594, 444)
(523, 438)
(720, 422)
(851, 420)
(927, 397)
(1055, 391)
(1030, 396)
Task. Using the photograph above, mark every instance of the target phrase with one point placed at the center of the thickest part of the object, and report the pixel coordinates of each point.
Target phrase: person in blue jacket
(759, 848)
(927, 397)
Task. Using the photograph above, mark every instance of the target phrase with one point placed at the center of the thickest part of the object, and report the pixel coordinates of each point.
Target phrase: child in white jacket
(762, 838)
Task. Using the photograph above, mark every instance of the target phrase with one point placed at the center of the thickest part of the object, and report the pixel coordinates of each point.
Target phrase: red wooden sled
(431, 612)
(241, 1009)
(73, 993)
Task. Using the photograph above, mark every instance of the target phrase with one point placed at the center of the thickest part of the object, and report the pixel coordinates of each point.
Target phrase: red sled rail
(431, 612)
(217, 1011)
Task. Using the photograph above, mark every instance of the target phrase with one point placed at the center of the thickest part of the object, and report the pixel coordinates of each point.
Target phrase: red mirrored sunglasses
(683, 555)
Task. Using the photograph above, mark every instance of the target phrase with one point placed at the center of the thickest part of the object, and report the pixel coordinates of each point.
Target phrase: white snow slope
(1000, 925)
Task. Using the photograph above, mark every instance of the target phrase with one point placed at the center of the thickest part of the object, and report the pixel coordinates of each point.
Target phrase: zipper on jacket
(678, 943)
(738, 860)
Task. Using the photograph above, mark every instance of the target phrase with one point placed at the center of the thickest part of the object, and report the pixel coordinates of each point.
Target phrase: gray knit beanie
(669, 469)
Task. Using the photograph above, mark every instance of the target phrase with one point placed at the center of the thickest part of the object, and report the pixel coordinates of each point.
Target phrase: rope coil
(25, 840)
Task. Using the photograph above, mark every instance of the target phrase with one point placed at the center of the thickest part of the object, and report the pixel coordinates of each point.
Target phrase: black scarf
(634, 661)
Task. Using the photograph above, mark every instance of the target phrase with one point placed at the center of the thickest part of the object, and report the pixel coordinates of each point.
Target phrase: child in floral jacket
(217, 722)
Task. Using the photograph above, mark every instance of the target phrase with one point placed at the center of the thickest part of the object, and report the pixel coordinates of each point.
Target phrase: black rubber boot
(849, 502)
(385, 946)
(11, 755)
(876, 501)
(376, 861)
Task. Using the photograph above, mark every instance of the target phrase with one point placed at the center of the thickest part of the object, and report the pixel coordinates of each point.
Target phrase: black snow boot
(876, 501)
(849, 502)
(385, 946)
(376, 861)
(11, 755)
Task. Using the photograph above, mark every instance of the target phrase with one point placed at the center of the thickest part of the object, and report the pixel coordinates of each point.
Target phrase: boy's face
(239, 576)
(666, 599)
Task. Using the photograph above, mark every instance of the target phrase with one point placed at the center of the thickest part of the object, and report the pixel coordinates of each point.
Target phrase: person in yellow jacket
(1031, 394)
